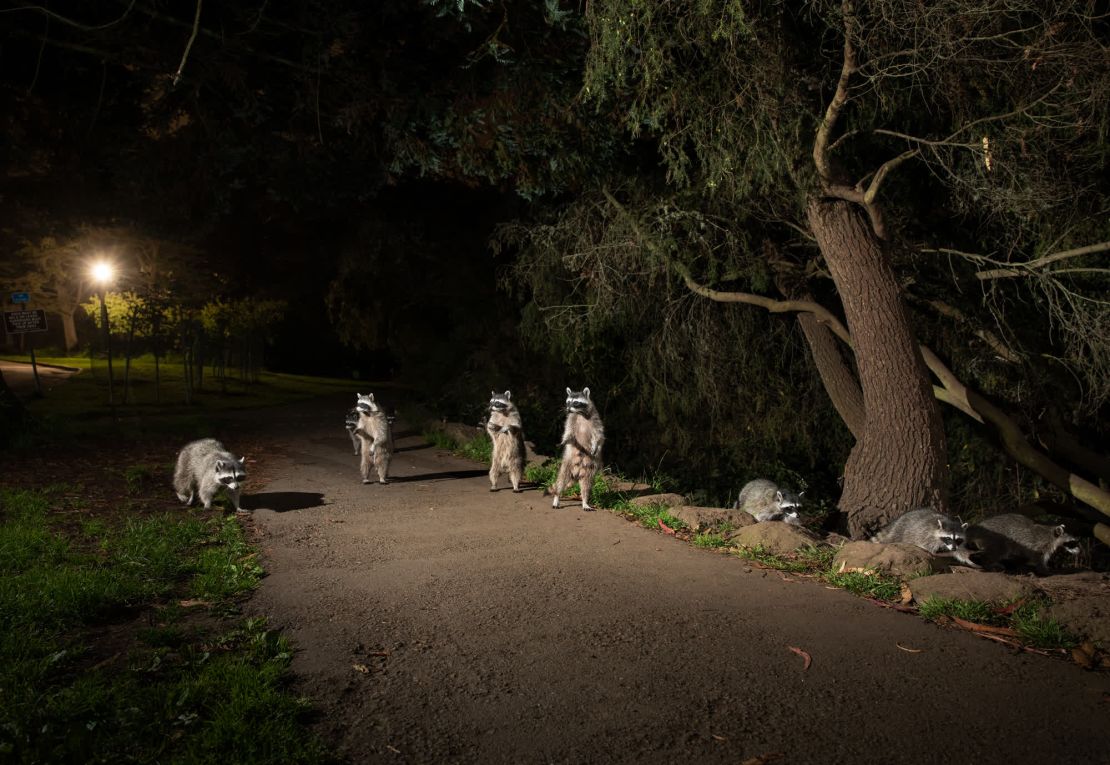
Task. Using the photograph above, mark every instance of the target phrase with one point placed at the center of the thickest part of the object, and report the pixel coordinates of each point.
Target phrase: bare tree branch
(1023, 269)
(70, 22)
(188, 45)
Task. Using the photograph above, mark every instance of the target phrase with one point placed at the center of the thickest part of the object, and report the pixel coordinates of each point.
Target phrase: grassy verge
(1024, 617)
(112, 647)
(479, 448)
(79, 406)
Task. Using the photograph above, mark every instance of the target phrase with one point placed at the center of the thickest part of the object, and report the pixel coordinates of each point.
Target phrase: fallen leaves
(191, 602)
(1088, 656)
(909, 650)
(666, 529)
(806, 658)
(361, 668)
(984, 628)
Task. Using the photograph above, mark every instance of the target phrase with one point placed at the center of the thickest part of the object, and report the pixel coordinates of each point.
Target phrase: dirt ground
(438, 622)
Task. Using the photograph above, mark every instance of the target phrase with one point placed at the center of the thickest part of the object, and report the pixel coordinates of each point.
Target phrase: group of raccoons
(205, 466)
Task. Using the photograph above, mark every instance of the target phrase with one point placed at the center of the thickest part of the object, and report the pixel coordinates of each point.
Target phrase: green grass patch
(866, 585)
(1028, 619)
(968, 610)
(479, 449)
(1040, 630)
(166, 691)
(710, 541)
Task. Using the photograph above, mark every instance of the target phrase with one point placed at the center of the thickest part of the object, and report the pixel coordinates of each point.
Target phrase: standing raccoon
(933, 532)
(506, 431)
(203, 468)
(351, 423)
(583, 436)
(765, 501)
(1015, 539)
(376, 436)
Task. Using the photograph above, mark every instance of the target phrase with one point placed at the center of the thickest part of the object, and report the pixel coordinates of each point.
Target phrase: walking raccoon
(583, 436)
(1015, 539)
(931, 531)
(506, 431)
(203, 468)
(765, 501)
(376, 436)
(351, 423)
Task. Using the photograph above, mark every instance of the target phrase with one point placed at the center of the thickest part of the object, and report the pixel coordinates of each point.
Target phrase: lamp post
(102, 273)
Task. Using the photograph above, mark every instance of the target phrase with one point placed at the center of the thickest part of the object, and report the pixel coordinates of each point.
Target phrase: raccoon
(376, 438)
(506, 432)
(583, 436)
(203, 468)
(931, 531)
(1015, 539)
(765, 501)
(351, 422)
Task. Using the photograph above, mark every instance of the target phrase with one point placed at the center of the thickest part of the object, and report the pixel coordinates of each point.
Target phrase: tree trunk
(69, 330)
(899, 462)
(837, 377)
(127, 357)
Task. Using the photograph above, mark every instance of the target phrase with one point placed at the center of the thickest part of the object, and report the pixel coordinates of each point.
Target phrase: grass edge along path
(121, 641)
(1022, 623)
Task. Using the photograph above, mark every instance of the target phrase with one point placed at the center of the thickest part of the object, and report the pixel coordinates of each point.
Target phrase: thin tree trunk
(127, 357)
(899, 462)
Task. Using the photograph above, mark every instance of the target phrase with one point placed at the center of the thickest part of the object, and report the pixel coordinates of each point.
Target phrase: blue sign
(21, 297)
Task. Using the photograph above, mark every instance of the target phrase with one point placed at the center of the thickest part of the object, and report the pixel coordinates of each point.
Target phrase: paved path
(437, 622)
(20, 377)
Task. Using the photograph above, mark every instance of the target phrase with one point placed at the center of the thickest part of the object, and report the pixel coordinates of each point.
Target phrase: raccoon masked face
(499, 402)
(1065, 541)
(579, 401)
(366, 404)
(791, 516)
(230, 474)
(788, 501)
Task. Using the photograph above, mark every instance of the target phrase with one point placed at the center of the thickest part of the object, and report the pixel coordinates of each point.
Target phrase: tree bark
(899, 462)
(69, 330)
(839, 380)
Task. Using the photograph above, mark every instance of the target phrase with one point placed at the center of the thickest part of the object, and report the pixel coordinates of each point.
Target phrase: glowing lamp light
(102, 272)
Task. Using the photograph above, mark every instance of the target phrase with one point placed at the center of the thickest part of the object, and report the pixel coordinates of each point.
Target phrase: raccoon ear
(1059, 531)
(493, 394)
(586, 392)
(508, 395)
(940, 523)
(370, 396)
(221, 465)
(778, 496)
(568, 392)
(963, 525)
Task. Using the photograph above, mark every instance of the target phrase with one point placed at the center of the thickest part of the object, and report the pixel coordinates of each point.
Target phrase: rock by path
(438, 622)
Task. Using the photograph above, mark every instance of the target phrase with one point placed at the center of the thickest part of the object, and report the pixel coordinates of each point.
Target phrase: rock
(669, 500)
(967, 584)
(832, 539)
(711, 517)
(628, 487)
(775, 537)
(1081, 603)
(898, 560)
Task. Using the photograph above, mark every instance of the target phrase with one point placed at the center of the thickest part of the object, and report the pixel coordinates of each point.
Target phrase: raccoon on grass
(203, 468)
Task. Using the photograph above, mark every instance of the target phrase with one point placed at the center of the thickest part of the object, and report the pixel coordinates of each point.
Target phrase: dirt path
(21, 379)
(494, 629)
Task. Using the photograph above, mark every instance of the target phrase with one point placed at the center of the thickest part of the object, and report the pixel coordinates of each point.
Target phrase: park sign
(22, 322)
(21, 297)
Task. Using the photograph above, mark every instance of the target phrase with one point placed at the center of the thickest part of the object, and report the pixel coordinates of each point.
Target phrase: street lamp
(102, 273)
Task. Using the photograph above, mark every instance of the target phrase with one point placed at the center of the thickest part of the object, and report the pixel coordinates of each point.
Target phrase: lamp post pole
(108, 345)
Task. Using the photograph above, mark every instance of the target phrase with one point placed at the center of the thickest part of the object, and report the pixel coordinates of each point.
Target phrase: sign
(21, 297)
(21, 322)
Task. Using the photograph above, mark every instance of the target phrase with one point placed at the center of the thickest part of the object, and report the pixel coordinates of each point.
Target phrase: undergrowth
(1026, 617)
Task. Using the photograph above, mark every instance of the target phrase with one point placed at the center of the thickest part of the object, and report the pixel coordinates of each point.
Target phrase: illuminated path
(21, 380)
(436, 622)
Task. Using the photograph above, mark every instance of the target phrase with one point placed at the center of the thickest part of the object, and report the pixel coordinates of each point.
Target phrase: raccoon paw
(382, 481)
(366, 481)
(494, 488)
(588, 509)
(517, 490)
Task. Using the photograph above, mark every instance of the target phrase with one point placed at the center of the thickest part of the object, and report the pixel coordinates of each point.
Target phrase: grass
(175, 689)
(1026, 617)
(80, 405)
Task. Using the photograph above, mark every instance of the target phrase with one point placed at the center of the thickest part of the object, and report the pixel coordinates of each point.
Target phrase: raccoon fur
(351, 422)
(765, 501)
(506, 431)
(203, 468)
(1015, 539)
(933, 532)
(583, 437)
(376, 438)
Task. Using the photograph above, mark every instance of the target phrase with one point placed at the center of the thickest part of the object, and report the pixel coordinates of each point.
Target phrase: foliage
(1026, 617)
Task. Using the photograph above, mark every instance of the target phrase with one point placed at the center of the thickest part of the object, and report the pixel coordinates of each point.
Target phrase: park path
(20, 377)
(437, 622)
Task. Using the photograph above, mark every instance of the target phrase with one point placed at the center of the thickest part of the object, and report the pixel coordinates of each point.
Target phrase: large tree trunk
(69, 330)
(899, 462)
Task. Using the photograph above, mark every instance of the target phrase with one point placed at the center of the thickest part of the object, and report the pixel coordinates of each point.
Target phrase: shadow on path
(282, 501)
(438, 476)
